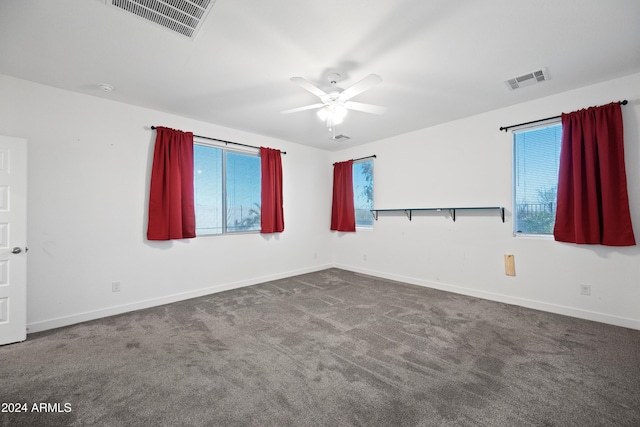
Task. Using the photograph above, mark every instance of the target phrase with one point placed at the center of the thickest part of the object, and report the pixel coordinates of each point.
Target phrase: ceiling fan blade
(367, 108)
(305, 84)
(364, 84)
(308, 107)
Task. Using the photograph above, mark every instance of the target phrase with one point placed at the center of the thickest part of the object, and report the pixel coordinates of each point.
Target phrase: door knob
(16, 250)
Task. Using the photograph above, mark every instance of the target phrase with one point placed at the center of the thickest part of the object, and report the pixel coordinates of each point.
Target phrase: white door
(13, 240)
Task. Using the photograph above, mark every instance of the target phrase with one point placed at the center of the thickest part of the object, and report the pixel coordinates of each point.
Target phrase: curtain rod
(505, 128)
(222, 140)
(373, 156)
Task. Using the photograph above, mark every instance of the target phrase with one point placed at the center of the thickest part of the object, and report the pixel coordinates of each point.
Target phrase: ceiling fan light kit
(332, 114)
(335, 104)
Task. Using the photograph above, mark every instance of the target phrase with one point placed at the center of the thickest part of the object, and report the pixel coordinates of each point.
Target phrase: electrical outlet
(585, 289)
(115, 286)
(364, 257)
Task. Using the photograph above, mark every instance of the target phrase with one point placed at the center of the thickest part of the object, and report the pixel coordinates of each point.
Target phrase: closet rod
(373, 156)
(222, 140)
(505, 128)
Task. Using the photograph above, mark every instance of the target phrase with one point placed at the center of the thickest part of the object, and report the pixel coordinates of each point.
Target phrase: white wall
(89, 167)
(468, 163)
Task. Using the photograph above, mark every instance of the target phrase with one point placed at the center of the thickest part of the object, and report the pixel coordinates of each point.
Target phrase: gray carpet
(331, 348)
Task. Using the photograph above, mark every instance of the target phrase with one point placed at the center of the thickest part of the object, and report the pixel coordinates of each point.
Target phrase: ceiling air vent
(181, 16)
(340, 137)
(528, 79)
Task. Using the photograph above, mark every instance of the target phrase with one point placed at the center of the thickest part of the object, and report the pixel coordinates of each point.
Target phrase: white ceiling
(440, 60)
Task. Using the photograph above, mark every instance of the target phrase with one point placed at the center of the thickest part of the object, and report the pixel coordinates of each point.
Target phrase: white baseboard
(72, 319)
(537, 305)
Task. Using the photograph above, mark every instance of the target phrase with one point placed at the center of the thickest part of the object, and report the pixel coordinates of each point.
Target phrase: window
(363, 192)
(227, 190)
(535, 178)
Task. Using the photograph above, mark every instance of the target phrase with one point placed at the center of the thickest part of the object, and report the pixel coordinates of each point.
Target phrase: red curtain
(343, 214)
(171, 195)
(593, 205)
(271, 210)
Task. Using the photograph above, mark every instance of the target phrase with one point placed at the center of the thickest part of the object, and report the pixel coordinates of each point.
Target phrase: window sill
(229, 233)
(534, 236)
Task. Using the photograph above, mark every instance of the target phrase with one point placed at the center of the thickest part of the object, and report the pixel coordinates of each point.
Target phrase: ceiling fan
(334, 104)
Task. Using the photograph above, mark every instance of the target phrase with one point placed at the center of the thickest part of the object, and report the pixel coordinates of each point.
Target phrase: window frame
(546, 124)
(365, 226)
(224, 148)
